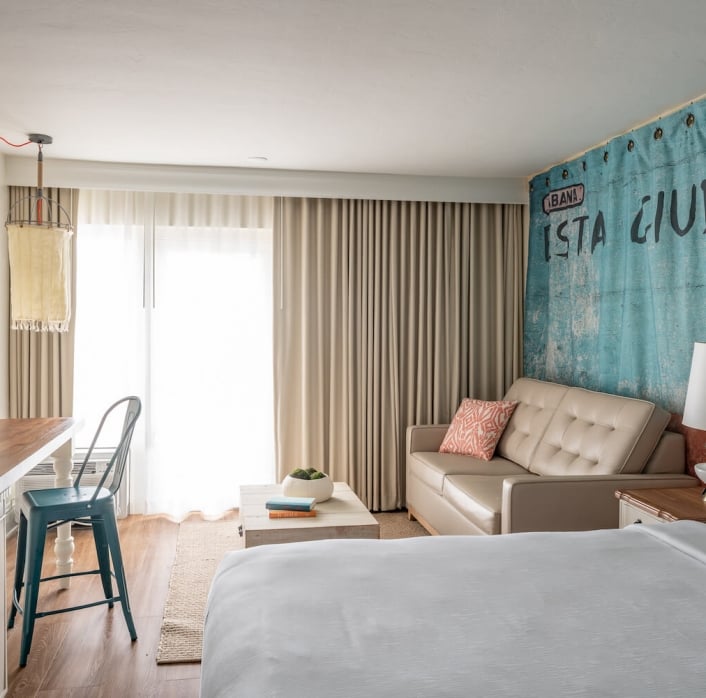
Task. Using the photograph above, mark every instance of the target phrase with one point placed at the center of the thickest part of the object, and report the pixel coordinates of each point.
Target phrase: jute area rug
(200, 547)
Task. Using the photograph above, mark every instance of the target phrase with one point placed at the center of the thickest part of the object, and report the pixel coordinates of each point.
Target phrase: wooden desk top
(669, 504)
(26, 442)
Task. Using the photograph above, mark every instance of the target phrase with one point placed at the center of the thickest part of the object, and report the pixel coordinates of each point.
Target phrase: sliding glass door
(174, 303)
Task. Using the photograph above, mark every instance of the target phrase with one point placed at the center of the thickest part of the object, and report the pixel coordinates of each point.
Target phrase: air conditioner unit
(41, 477)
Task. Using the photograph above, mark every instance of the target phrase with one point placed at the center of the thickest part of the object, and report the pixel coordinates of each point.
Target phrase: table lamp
(695, 404)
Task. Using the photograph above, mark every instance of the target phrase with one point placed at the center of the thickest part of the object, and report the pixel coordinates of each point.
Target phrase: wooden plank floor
(88, 652)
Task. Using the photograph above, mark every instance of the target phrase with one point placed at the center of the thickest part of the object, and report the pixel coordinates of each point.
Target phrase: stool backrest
(118, 460)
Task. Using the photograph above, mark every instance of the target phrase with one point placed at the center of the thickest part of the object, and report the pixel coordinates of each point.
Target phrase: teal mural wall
(616, 282)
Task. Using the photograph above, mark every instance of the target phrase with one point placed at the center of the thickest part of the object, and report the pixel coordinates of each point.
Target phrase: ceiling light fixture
(39, 234)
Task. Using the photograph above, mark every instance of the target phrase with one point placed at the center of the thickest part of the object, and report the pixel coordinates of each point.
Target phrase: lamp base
(700, 470)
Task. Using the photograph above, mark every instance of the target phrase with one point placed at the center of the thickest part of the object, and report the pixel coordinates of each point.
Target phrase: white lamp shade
(695, 405)
(40, 277)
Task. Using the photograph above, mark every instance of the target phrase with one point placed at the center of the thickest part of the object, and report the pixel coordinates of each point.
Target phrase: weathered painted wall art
(616, 289)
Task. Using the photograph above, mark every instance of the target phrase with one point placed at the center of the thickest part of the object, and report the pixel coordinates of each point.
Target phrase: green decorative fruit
(307, 474)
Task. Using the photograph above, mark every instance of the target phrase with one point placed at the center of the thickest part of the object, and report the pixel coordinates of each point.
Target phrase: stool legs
(36, 537)
(31, 539)
(103, 554)
(111, 531)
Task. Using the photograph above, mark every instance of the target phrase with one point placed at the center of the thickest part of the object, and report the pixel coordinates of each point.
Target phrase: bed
(597, 613)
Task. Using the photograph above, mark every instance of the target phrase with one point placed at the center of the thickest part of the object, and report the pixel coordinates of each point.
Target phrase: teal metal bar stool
(44, 509)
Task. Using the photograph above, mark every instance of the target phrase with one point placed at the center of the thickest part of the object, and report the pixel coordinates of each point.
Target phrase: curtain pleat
(388, 314)
(42, 363)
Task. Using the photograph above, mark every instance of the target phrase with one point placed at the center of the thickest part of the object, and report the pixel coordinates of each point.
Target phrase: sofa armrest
(669, 456)
(425, 437)
(572, 503)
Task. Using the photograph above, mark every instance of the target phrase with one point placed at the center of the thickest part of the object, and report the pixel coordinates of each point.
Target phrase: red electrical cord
(14, 145)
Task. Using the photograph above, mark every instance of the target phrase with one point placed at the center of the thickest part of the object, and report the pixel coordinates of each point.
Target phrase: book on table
(290, 503)
(290, 513)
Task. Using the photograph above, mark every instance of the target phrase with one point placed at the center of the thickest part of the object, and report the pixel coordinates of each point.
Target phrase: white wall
(5, 299)
(266, 182)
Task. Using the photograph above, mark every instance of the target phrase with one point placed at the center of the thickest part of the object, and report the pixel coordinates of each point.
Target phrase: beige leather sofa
(557, 465)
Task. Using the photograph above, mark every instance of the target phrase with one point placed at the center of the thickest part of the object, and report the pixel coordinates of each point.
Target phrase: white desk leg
(64, 544)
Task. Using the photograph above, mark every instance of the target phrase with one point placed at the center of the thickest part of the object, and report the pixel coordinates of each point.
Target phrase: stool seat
(53, 501)
(41, 510)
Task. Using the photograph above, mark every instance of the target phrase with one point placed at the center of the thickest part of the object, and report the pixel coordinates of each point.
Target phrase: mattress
(597, 613)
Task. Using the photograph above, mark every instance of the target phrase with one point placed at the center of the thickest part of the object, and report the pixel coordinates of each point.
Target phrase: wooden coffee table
(342, 516)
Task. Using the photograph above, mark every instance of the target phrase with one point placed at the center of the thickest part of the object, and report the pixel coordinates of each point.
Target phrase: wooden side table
(652, 506)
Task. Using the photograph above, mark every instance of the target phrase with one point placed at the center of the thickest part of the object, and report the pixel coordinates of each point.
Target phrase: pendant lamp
(39, 232)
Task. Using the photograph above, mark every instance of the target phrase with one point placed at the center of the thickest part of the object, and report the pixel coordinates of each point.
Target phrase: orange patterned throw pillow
(477, 427)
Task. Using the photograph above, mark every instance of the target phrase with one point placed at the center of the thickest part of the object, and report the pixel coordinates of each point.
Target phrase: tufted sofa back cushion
(594, 433)
(536, 403)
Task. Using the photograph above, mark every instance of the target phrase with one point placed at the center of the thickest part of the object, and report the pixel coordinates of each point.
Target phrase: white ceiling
(466, 88)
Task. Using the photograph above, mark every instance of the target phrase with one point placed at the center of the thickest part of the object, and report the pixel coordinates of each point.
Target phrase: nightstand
(651, 506)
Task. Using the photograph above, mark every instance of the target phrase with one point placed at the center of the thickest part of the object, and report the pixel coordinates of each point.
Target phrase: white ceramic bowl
(320, 489)
(700, 469)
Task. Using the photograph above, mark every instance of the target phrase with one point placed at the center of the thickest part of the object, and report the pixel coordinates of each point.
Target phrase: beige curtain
(387, 314)
(42, 363)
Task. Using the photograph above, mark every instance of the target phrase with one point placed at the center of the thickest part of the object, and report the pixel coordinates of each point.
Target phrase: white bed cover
(599, 613)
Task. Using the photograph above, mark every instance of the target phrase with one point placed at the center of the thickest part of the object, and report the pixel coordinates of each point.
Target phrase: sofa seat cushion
(478, 497)
(432, 467)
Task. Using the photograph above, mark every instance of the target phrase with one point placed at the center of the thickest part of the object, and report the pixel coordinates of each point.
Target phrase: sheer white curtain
(174, 303)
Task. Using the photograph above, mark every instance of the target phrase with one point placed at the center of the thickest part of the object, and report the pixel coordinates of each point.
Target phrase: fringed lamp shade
(40, 277)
